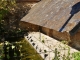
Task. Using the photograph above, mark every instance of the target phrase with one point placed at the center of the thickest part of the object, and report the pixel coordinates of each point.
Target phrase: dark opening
(75, 29)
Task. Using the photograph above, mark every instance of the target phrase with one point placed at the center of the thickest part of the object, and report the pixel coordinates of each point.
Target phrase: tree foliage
(6, 6)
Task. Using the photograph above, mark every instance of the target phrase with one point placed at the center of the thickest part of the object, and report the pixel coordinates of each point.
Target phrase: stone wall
(55, 34)
(76, 36)
(75, 39)
(47, 31)
(29, 26)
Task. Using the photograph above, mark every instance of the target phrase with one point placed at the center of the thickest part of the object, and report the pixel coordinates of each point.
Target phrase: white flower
(6, 43)
(13, 47)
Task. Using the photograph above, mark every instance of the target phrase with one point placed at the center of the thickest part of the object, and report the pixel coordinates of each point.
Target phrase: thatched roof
(60, 15)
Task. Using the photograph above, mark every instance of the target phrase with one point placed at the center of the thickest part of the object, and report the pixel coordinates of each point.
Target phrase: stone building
(59, 19)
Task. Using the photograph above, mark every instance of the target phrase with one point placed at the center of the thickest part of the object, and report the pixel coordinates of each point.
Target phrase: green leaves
(7, 4)
(11, 50)
(76, 55)
(1, 17)
(5, 7)
(43, 41)
(56, 55)
(3, 13)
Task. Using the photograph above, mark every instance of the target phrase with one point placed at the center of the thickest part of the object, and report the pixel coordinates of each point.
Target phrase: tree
(7, 30)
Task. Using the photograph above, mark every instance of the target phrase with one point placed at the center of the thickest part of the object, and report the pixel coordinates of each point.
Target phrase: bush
(76, 55)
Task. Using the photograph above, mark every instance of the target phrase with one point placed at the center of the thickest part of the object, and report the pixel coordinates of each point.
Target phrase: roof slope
(54, 14)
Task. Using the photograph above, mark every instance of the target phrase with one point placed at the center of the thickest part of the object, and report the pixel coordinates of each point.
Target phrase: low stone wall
(47, 31)
(76, 40)
(76, 36)
(61, 35)
(29, 26)
(56, 34)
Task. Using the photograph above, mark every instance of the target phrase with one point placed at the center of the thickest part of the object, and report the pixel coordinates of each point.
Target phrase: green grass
(27, 51)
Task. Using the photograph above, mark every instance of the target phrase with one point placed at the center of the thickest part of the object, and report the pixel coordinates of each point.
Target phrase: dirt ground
(17, 13)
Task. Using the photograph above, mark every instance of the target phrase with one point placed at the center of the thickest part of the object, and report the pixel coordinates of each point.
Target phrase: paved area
(48, 47)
